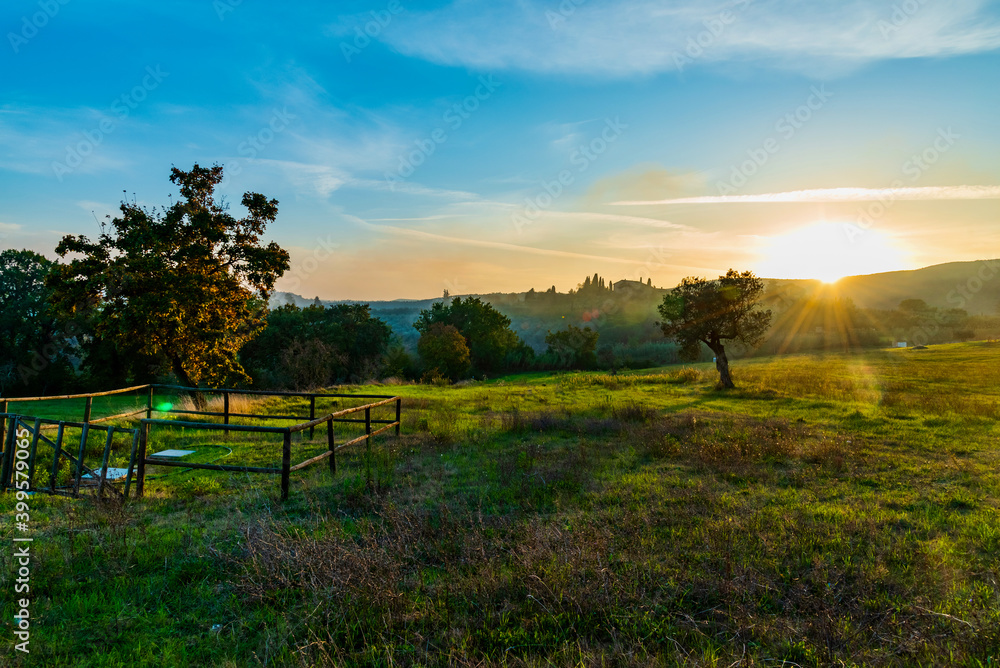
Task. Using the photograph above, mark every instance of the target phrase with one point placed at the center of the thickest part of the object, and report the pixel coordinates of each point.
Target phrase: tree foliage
(572, 347)
(314, 346)
(493, 346)
(706, 311)
(34, 350)
(185, 286)
(444, 351)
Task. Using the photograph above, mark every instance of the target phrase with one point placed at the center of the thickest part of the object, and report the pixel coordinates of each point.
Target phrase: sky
(479, 146)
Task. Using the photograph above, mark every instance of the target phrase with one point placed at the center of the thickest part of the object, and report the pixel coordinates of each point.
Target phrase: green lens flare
(164, 406)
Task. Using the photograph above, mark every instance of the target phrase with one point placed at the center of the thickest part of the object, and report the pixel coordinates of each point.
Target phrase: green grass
(835, 509)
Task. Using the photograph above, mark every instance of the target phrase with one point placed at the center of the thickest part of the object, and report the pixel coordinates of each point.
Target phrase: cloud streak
(629, 37)
(837, 195)
(482, 243)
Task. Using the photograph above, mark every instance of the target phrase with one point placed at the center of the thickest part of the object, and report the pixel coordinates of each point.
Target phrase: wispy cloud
(627, 37)
(589, 216)
(838, 195)
(408, 188)
(485, 243)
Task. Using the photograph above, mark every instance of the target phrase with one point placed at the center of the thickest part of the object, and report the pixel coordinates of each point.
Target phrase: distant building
(631, 285)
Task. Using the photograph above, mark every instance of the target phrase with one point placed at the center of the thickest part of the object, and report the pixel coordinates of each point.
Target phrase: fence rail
(141, 436)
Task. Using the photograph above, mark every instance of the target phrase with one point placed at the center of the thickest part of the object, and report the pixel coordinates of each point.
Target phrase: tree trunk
(722, 366)
(182, 375)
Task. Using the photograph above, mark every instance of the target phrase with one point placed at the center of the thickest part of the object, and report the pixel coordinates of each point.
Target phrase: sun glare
(829, 251)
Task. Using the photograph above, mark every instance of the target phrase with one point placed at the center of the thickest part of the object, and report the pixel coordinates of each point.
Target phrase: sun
(829, 251)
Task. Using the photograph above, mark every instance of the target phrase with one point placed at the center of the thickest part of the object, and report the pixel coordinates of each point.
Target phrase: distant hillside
(627, 315)
(973, 286)
(282, 298)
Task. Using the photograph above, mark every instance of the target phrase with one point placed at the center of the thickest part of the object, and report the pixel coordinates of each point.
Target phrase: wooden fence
(142, 434)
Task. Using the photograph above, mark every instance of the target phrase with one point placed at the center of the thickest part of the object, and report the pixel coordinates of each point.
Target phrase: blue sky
(481, 146)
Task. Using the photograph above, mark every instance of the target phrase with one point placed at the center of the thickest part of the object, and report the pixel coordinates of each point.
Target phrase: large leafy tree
(185, 286)
(34, 349)
(492, 344)
(706, 311)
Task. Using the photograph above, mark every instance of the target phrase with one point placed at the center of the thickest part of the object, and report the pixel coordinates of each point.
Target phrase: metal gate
(65, 471)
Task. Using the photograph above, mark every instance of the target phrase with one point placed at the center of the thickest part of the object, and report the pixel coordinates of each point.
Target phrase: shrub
(443, 350)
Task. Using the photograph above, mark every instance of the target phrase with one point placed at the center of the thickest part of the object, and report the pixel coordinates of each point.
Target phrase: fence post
(3, 423)
(149, 403)
(104, 461)
(87, 408)
(399, 412)
(225, 409)
(312, 412)
(330, 447)
(131, 461)
(55, 458)
(140, 476)
(368, 445)
(368, 429)
(286, 462)
(8, 453)
(79, 457)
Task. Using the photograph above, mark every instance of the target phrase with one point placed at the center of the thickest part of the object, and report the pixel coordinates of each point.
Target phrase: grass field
(833, 510)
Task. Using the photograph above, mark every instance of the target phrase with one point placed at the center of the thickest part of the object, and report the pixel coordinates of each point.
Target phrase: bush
(486, 331)
(444, 352)
(572, 348)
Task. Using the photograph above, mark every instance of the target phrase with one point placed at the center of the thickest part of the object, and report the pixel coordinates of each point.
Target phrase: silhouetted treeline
(602, 324)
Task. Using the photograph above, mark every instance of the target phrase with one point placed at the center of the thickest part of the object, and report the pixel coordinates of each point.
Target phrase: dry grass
(238, 403)
(639, 580)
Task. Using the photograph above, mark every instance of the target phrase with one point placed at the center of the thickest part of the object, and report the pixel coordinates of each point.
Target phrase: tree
(573, 347)
(702, 311)
(33, 346)
(443, 350)
(486, 331)
(913, 306)
(186, 285)
(344, 342)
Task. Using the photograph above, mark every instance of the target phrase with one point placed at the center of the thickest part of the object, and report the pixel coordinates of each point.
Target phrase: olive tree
(706, 311)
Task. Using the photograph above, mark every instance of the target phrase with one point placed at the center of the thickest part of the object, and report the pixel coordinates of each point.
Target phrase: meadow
(838, 509)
